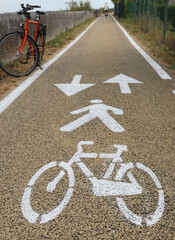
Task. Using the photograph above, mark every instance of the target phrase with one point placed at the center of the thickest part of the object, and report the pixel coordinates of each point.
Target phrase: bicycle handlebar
(34, 6)
(27, 8)
(80, 148)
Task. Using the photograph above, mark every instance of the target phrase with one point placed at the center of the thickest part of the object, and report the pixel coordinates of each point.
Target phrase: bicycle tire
(32, 216)
(40, 40)
(152, 218)
(14, 64)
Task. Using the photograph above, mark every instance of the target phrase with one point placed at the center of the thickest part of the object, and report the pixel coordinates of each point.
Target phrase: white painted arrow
(174, 91)
(74, 87)
(123, 82)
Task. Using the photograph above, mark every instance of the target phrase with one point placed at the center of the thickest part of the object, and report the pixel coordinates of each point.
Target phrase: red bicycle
(19, 52)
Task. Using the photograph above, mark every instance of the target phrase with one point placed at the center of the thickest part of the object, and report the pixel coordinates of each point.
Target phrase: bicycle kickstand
(39, 66)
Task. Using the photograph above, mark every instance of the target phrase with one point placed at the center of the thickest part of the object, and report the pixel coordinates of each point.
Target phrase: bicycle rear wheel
(40, 40)
(11, 61)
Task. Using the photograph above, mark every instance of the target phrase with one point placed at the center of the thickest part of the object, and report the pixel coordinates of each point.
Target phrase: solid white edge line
(10, 98)
(153, 64)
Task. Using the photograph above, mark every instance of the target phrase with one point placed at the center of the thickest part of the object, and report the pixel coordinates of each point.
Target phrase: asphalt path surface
(127, 195)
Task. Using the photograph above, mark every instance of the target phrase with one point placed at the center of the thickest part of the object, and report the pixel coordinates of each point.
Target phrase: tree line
(79, 6)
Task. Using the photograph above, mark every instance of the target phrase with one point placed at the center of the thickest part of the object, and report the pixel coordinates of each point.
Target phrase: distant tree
(115, 1)
(87, 5)
(81, 6)
(72, 5)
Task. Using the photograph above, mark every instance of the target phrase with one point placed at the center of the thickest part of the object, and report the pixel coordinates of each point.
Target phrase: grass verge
(8, 83)
(152, 41)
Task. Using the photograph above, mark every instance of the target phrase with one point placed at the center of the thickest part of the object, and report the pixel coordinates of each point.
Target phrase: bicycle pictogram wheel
(153, 217)
(33, 216)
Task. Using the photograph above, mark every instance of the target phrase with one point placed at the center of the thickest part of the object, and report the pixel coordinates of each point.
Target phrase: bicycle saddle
(40, 13)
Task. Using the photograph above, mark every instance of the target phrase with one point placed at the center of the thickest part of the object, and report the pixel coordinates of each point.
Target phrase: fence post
(148, 16)
(135, 11)
(140, 1)
(165, 20)
(155, 12)
(143, 12)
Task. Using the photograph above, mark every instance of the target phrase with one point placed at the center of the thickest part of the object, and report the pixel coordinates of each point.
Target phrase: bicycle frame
(102, 187)
(26, 32)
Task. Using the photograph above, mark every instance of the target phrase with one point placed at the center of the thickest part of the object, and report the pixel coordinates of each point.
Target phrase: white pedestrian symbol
(97, 110)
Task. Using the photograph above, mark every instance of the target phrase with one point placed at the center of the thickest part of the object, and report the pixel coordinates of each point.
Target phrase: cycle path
(115, 98)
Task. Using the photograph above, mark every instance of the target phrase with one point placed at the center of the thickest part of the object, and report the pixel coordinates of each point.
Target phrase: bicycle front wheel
(153, 217)
(15, 62)
(33, 216)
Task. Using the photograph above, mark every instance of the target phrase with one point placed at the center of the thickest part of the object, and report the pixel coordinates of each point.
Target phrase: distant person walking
(106, 9)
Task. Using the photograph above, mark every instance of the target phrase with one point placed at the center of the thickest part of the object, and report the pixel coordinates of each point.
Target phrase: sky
(46, 5)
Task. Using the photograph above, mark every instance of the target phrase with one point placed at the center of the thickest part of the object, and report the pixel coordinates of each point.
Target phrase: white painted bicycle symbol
(101, 187)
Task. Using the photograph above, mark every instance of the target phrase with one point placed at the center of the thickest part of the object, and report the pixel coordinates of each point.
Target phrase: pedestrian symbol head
(96, 101)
